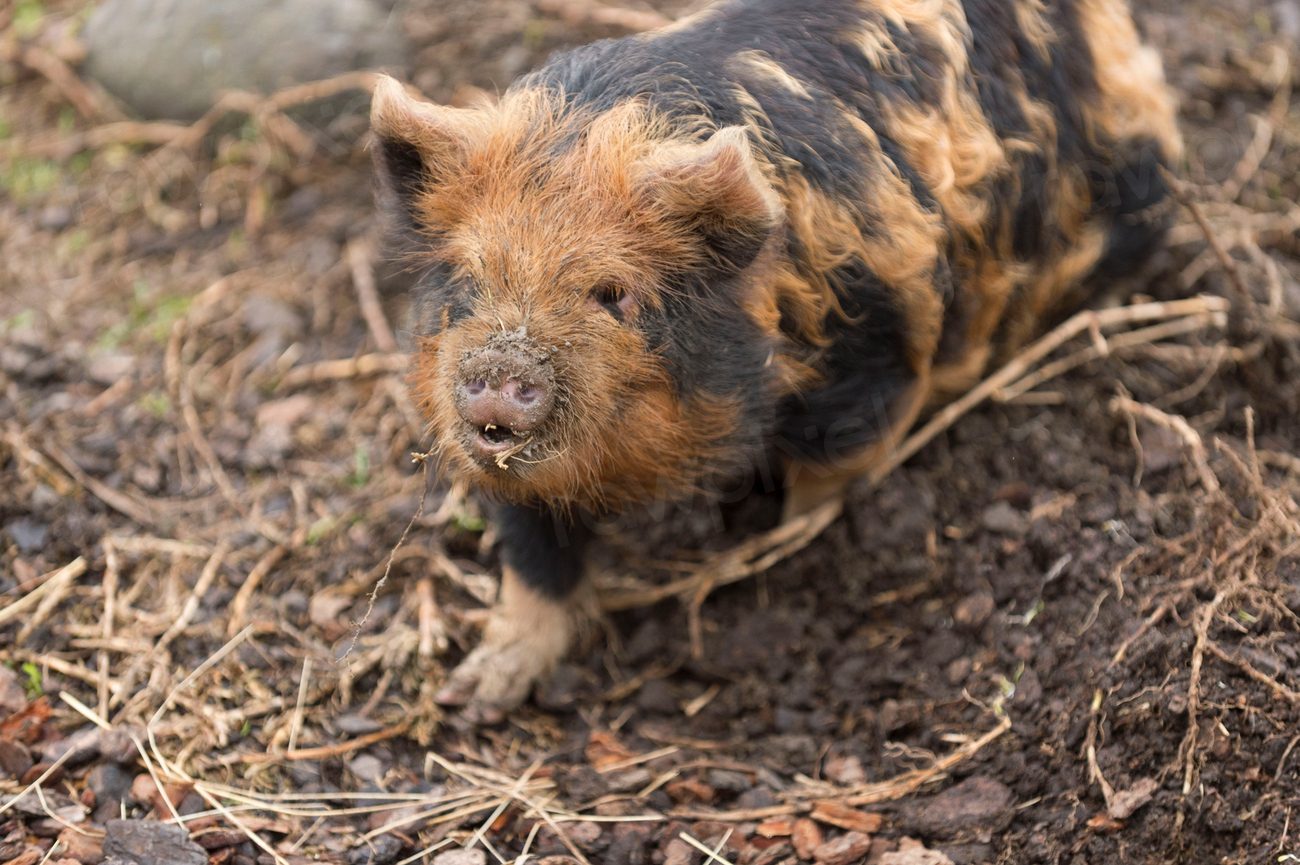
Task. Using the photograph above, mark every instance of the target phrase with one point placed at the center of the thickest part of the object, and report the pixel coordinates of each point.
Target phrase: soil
(1065, 632)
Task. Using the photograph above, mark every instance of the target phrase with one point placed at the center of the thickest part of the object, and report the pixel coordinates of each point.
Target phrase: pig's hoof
(491, 681)
(500, 674)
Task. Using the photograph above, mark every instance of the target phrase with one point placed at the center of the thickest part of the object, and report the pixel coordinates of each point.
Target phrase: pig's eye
(613, 299)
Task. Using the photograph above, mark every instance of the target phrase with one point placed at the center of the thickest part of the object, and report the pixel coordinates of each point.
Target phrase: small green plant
(156, 403)
(320, 530)
(76, 241)
(26, 178)
(18, 321)
(467, 522)
(150, 316)
(360, 467)
(27, 17)
(35, 681)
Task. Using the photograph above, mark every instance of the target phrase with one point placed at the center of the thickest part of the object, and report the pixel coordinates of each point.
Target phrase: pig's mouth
(497, 436)
(498, 445)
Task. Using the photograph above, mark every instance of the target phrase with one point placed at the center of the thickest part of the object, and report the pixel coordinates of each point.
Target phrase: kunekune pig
(773, 232)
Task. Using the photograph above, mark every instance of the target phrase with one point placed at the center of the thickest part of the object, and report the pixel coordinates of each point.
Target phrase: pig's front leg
(540, 609)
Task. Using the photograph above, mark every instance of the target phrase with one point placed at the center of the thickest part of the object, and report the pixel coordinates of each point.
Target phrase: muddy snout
(504, 393)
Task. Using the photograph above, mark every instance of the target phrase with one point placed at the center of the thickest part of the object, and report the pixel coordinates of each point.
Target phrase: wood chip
(806, 836)
(777, 827)
(844, 817)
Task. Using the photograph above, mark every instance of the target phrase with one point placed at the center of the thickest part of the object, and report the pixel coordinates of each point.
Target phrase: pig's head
(594, 314)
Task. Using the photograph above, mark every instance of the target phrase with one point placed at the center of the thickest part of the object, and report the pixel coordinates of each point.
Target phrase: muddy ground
(1067, 631)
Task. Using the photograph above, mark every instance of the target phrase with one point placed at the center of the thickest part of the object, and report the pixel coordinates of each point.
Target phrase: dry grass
(170, 614)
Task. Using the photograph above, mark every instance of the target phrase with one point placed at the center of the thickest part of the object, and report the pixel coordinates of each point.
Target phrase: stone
(13, 696)
(461, 857)
(109, 782)
(977, 805)
(148, 842)
(380, 850)
(28, 534)
(911, 852)
(172, 58)
(15, 759)
(1003, 519)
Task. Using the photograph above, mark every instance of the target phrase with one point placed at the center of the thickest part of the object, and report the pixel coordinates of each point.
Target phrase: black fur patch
(543, 547)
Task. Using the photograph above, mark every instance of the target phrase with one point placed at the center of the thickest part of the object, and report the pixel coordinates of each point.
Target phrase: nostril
(475, 387)
(525, 394)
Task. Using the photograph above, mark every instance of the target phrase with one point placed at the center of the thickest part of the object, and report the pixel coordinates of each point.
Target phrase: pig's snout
(503, 394)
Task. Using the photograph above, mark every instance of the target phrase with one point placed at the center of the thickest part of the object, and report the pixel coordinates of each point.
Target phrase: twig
(60, 74)
(337, 370)
(53, 591)
(118, 501)
(1201, 628)
(215, 658)
(709, 855)
(1179, 426)
(868, 794)
(322, 752)
(1023, 362)
(1265, 129)
(62, 578)
(295, 725)
(161, 546)
(243, 597)
(1226, 261)
(581, 13)
(111, 571)
(754, 556)
(1090, 746)
(206, 577)
(388, 567)
(361, 262)
(1255, 673)
(41, 779)
(1116, 344)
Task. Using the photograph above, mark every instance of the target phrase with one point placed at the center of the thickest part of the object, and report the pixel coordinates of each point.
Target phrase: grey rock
(55, 217)
(171, 58)
(978, 805)
(378, 851)
(1288, 18)
(1003, 519)
(29, 534)
(76, 749)
(109, 367)
(368, 768)
(461, 857)
(109, 781)
(15, 759)
(146, 842)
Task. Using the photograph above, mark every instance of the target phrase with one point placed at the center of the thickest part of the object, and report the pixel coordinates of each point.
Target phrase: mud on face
(565, 259)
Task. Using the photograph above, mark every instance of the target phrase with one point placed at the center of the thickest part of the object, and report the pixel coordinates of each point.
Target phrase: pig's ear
(715, 187)
(417, 144)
